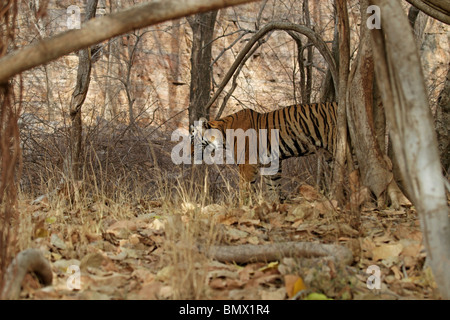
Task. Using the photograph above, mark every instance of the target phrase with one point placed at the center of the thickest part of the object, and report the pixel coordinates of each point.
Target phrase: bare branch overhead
(103, 28)
(437, 9)
(314, 37)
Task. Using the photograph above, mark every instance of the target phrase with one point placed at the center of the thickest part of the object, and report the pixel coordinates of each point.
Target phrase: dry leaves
(140, 257)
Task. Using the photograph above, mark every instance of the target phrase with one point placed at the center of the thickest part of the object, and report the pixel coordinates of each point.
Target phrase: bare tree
(201, 69)
(78, 97)
(344, 66)
(402, 86)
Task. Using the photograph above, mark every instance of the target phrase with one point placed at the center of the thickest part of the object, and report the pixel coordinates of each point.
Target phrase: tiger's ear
(203, 120)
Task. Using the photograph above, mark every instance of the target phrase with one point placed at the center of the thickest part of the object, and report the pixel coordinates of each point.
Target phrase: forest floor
(124, 233)
(148, 250)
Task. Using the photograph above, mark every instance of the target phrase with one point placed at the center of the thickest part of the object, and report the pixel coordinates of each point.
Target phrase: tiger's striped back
(303, 128)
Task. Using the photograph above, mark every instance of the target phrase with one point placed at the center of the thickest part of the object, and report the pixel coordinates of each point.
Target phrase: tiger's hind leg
(247, 178)
(273, 186)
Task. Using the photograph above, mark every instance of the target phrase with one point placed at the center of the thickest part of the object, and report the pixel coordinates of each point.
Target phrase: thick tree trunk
(78, 97)
(375, 171)
(9, 146)
(402, 86)
(201, 69)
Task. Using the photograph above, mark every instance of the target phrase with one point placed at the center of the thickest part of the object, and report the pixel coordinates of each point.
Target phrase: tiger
(303, 129)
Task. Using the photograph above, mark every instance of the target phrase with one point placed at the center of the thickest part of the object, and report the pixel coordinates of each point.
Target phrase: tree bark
(201, 69)
(328, 91)
(103, 28)
(78, 97)
(375, 171)
(341, 146)
(306, 95)
(443, 124)
(402, 86)
(418, 21)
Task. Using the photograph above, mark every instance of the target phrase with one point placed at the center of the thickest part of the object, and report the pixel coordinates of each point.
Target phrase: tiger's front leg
(247, 178)
(273, 186)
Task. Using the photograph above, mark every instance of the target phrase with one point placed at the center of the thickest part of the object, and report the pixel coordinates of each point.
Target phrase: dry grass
(123, 181)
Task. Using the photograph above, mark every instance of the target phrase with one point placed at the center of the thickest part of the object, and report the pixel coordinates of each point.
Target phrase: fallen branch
(271, 252)
(30, 260)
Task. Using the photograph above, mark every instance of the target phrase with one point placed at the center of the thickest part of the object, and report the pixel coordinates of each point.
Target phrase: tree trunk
(341, 138)
(418, 21)
(201, 70)
(375, 171)
(328, 91)
(174, 65)
(443, 124)
(78, 97)
(10, 154)
(400, 79)
(306, 95)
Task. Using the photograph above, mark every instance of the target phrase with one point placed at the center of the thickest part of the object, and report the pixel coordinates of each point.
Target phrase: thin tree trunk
(402, 86)
(201, 56)
(174, 65)
(78, 97)
(306, 95)
(328, 91)
(104, 113)
(344, 65)
(301, 66)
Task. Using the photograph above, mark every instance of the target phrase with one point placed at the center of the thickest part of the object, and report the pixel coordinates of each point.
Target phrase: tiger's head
(203, 133)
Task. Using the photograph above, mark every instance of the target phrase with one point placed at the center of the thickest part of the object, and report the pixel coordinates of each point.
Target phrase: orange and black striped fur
(302, 130)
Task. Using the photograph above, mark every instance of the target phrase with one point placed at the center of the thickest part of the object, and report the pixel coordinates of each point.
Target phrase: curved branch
(437, 9)
(30, 260)
(286, 26)
(234, 82)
